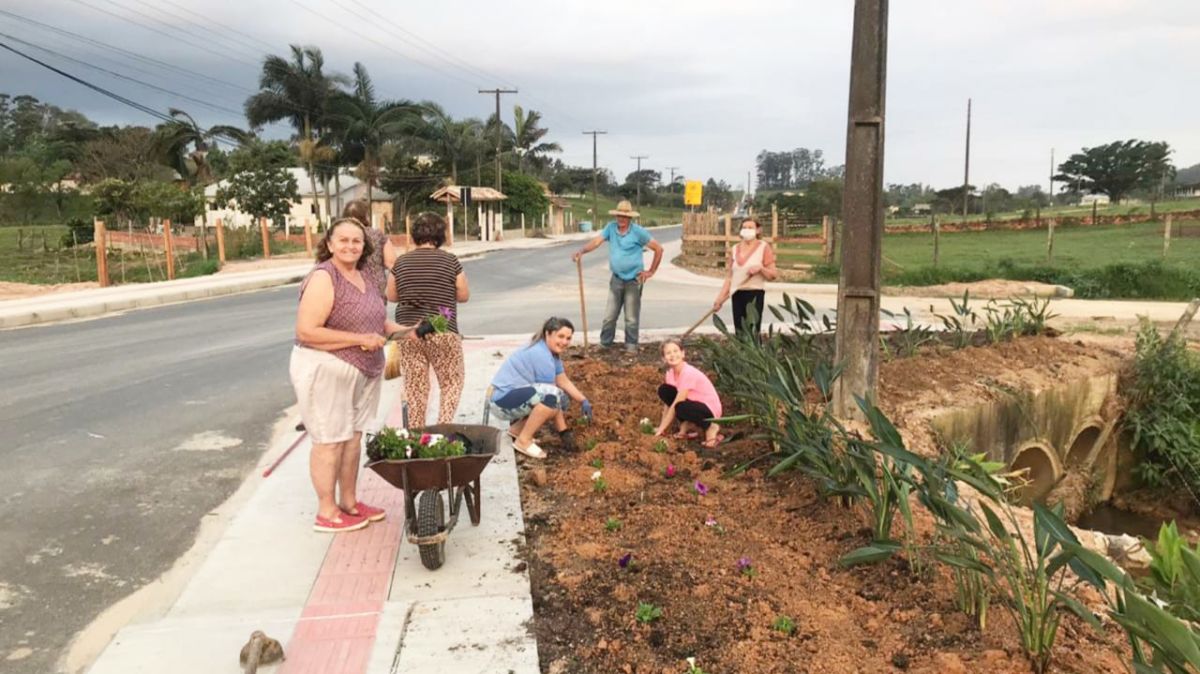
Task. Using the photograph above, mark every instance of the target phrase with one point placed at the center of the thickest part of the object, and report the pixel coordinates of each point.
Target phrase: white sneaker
(532, 451)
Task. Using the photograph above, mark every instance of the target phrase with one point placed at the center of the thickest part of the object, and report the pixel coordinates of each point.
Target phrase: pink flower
(743, 564)
(425, 438)
(710, 522)
(700, 488)
(669, 471)
(446, 312)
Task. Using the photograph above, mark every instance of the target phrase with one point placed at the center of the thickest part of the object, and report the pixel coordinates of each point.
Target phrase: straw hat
(624, 208)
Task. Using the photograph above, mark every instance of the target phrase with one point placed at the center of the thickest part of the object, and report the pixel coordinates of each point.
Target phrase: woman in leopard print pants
(430, 283)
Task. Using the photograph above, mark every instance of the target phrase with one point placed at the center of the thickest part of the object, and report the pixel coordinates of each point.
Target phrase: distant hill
(1188, 176)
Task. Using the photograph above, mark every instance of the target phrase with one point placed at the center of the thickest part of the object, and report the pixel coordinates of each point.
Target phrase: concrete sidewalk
(96, 302)
(359, 602)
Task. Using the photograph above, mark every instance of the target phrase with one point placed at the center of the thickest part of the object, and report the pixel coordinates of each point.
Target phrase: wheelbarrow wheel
(431, 519)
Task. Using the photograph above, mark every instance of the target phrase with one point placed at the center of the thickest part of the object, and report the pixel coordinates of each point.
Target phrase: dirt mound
(727, 565)
(989, 289)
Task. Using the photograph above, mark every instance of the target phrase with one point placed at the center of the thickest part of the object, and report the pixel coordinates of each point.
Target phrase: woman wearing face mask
(750, 264)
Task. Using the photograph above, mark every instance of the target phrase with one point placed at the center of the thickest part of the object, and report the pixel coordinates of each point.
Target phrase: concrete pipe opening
(1082, 446)
(1040, 471)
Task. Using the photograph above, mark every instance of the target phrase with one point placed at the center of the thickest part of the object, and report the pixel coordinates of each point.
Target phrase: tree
(261, 185)
(1118, 168)
(114, 197)
(718, 194)
(366, 125)
(527, 136)
(123, 153)
(410, 181)
(173, 139)
(167, 200)
(452, 141)
(525, 195)
(298, 91)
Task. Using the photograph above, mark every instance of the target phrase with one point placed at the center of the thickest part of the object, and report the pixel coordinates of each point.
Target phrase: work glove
(587, 409)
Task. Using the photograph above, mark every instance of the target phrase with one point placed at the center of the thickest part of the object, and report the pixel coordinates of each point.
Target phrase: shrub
(1164, 408)
(78, 231)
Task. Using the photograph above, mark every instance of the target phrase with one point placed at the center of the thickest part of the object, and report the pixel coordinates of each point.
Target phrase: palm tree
(299, 91)
(526, 136)
(453, 140)
(366, 124)
(172, 139)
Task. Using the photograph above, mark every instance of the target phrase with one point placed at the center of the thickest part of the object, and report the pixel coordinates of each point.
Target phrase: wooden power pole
(967, 165)
(857, 339)
(499, 132)
(638, 182)
(595, 201)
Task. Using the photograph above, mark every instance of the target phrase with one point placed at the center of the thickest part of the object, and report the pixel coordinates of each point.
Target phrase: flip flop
(712, 444)
(686, 436)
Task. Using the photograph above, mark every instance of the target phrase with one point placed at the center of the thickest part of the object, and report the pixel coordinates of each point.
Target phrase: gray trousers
(626, 295)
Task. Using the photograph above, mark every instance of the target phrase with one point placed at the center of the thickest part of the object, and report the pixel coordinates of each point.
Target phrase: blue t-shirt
(625, 251)
(533, 364)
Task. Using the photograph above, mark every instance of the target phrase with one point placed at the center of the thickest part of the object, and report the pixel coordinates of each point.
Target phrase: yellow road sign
(693, 193)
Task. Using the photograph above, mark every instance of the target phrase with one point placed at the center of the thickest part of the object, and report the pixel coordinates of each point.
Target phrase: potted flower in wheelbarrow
(425, 462)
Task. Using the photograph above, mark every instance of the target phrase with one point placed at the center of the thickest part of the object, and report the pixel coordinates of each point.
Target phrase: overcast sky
(703, 85)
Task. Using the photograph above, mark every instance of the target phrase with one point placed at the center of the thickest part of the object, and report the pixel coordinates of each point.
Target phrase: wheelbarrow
(424, 480)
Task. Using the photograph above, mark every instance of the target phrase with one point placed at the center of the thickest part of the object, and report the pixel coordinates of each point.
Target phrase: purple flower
(446, 312)
(710, 522)
(743, 564)
(700, 488)
(623, 562)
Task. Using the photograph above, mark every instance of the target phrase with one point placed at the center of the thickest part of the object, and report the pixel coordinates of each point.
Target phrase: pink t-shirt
(698, 387)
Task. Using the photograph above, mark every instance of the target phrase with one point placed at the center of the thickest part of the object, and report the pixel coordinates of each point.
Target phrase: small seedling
(645, 426)
(746, 568)
(582, 421)
(660, 446)
(784, 624)
(647, 613)
(599, 485)
(693, 668)
(591, 443)
(612, 524)
(597, 463)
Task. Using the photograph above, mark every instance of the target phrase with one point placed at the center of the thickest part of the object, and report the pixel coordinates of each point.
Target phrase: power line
(253, 49)
(221, 25)
(390, 48)
(125, 52)
(123, 77)
(144, 26)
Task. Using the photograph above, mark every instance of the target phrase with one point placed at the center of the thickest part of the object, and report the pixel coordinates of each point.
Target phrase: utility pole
(671, 185)
(638, 182)
(499, 134)
(857, 339)
(595, 202)
(967, 166)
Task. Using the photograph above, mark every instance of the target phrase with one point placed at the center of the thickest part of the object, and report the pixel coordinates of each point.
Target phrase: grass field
(1114, 261)
(1061, 211)
(37, 255)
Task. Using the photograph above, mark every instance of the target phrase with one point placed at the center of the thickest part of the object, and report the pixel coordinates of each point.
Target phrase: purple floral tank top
(354, 310)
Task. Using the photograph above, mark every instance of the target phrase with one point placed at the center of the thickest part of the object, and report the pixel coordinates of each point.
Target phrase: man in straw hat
(626, 242)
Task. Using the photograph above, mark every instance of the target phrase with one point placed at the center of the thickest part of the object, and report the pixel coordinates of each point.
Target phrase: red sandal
(371, 513)
(346, 522)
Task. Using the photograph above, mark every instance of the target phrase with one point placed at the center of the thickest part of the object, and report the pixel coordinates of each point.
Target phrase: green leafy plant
(1175, 572)
(960, 324)
(612, 524)
(660, 446)
(646, 426)
(1164, 410)
(599, 484)
(393, 444)
(647, 613)
(909, 337)
(784, 624)
(591, 443)
(596, 463)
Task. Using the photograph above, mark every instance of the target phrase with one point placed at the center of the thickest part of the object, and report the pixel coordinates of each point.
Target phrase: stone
(538, 476)
(949, 663)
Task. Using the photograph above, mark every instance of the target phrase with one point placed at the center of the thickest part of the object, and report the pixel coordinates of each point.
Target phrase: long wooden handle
(695, 325)
(582, 303)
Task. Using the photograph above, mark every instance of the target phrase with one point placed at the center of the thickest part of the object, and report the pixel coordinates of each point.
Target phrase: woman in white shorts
(336, 366)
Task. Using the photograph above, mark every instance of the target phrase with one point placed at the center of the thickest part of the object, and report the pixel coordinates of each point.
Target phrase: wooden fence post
(101, 240)
(266, 238)
(220, 226)
(522, 224)
(169, 247)
(937, 241)
(832, 239)
(1050, 240)
(1094, 205)
(774, 222)
(308, 243)
(407, 232)
(1167, 236)
(728, 231)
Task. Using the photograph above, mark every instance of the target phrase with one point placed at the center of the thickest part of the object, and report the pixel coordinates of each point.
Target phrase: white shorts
(336, 399)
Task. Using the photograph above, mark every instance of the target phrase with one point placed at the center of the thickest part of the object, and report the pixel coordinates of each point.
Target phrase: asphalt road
(118, 435)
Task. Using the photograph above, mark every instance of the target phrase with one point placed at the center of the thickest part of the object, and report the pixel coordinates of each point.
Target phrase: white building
(310, 207)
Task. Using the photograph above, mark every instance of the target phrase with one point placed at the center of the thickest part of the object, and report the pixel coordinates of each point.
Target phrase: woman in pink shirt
(688, 396)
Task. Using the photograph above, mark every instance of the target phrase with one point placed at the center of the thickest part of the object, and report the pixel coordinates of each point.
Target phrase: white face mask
(749, 234)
